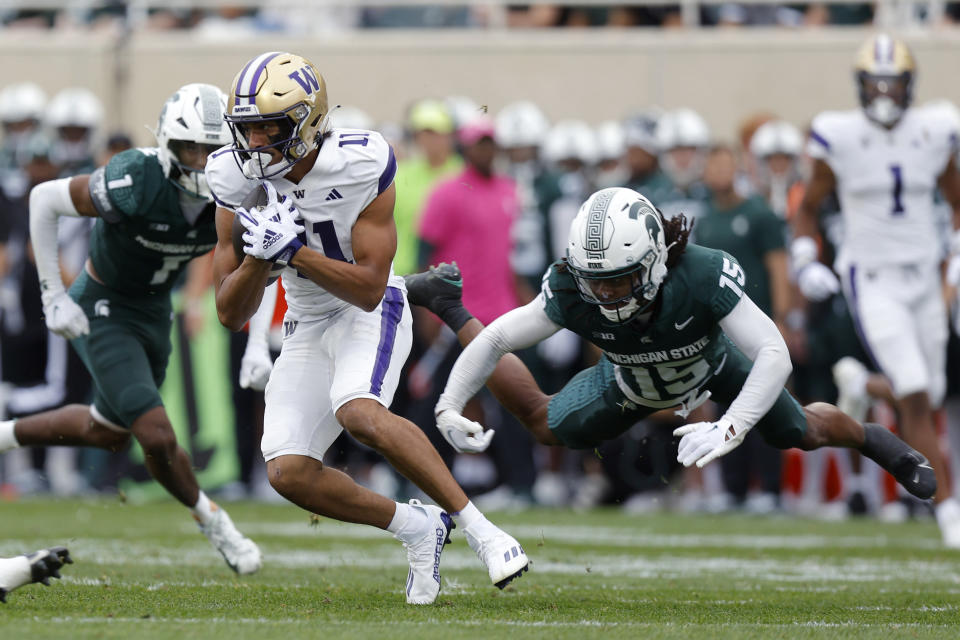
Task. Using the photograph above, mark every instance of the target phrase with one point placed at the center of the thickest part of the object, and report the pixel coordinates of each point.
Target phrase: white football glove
(64, 316)
(272, 231)
(817, 281)
(255, 366)
(702, 442)
(466, 436)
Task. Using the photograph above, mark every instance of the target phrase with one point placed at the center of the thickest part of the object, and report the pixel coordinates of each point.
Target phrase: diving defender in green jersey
(675, 328)
(155, 214)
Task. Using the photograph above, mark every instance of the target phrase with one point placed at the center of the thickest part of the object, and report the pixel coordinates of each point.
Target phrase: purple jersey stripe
(390, 314)
(819, 138)
(259, 72)
(386, 178)
(855, 313)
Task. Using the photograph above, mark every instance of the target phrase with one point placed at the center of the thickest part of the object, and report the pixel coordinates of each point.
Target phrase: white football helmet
(286, 92)
(192, 118)
(521, 124)
(570, 140)
(776, 137)
(683, 129)
(617, 252)
(22, 101)
(75, 115)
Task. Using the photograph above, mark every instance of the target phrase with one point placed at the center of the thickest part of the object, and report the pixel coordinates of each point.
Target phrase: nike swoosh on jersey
(680, 326)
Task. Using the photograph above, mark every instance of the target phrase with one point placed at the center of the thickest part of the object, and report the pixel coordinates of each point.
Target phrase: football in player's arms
(255, 201)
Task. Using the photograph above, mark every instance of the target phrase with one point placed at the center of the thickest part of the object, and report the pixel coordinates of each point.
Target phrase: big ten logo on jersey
(307, 80)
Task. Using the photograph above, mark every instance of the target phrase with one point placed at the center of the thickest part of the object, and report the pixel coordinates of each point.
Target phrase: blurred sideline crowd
(284, 16)
(503, 234)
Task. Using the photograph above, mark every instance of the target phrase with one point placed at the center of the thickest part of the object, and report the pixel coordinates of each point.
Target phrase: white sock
(14, 572)
(205, 509)
(406, 521)
(468, 515)
(7, 439)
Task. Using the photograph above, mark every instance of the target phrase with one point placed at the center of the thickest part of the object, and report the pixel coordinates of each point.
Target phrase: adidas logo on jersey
(334, 195)
(270, 238)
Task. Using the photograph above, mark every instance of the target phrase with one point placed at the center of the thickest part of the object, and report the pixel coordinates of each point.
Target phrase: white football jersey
(353, 167)
(886, 181)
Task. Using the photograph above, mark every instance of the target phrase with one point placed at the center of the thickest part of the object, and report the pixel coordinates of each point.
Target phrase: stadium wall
(592, 74)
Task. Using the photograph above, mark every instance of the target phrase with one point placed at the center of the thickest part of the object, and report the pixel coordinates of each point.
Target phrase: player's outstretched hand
(466, 436)
(702, 442)
(817, 281)
(65, 317)
(255, 366)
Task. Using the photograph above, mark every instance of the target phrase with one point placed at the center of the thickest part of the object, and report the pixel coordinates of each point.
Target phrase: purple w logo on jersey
(308, 82)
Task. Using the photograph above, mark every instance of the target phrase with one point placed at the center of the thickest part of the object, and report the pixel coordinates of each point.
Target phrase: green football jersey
(749, 231)
(664, 362)
(142, 242)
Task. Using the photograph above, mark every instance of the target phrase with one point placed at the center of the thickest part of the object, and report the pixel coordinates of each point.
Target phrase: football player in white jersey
(347, 330)
(886, 160)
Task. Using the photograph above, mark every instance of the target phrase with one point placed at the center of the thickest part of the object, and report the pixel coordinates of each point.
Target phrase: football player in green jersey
(155, 213)
(674, 327)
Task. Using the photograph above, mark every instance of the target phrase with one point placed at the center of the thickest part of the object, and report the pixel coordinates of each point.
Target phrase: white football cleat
(500, 553)
(948, 518)
(240, 552)
(850, 376)
(423, 554)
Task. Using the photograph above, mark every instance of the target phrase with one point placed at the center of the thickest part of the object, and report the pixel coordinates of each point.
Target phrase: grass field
(145, 572)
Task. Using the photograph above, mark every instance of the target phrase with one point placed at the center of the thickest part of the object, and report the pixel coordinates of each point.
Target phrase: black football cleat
(435, 288)
(46, 563)
(914, 472)
(902, 461)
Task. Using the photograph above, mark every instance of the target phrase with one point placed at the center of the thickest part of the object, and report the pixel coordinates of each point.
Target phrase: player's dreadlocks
(677, 231)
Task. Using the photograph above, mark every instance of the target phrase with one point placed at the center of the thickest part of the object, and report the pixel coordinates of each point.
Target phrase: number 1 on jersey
(897, 172)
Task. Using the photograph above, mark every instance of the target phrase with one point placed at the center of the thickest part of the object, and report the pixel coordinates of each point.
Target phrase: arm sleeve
(757, 336)
(49, 201)
(517, 329)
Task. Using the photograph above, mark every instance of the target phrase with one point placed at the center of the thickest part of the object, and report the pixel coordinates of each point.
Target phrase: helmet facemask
(884, 98)
(184, 173)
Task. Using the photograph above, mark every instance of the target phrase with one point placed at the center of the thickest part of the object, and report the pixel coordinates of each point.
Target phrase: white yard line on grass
(607, 536)
(486, 622)
(637, 565)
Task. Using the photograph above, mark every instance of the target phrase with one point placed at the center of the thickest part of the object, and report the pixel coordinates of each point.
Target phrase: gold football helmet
(284, 97)
(884, 74)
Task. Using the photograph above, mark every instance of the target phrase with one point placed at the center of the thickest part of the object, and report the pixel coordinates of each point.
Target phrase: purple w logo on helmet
(308, 82)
